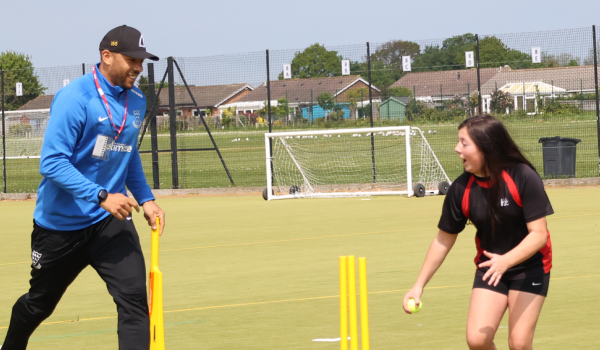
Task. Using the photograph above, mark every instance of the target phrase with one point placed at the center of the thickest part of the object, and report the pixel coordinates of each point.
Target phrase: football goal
(395, 160)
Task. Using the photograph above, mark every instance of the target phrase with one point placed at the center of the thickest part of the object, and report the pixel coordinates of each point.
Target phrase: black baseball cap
(127, 41)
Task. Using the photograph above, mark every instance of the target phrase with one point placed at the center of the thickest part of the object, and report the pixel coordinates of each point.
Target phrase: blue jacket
(68, 195)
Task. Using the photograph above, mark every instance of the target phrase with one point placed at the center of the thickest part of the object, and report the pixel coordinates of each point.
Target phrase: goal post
(350, 163)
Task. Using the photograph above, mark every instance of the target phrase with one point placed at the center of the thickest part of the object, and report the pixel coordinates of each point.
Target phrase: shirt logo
(137, 93)
(114, 43)
(35, 258)
(120, 147)
(142, 44)
(536, 284)
(100, 119)
(504, 202)
(138, 119)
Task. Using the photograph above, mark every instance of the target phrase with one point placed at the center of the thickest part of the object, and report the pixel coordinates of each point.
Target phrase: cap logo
(142, 44)
(114, 43)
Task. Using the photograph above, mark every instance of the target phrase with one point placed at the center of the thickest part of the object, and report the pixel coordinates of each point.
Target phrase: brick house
(302, 93)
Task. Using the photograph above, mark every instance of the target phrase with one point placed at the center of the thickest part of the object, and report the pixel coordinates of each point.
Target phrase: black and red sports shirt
(522, 200)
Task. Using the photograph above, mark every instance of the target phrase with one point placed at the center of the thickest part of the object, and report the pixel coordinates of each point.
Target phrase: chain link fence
(207, 116)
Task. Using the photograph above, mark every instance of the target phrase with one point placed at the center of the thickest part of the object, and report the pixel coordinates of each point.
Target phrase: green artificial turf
(243, 273)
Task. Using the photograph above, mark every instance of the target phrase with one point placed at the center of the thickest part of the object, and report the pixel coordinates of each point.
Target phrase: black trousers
(112, 248)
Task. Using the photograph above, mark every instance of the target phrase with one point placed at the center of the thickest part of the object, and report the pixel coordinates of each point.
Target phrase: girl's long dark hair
(499, 152)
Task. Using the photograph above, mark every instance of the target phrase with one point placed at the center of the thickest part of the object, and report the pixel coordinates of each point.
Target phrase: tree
(390, 53)
(143, 85)
(400, 91)
(500, 101)
(449, 55)
(17, 67)
(494, 53)
(325, 100)
(315, 61)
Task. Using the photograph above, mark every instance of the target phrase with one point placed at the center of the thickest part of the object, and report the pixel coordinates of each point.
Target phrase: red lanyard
(108, 108)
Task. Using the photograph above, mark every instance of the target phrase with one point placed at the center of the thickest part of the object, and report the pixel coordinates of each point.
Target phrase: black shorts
(535, 285)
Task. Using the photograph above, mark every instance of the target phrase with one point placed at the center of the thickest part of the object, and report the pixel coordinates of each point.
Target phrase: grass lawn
(244, 153)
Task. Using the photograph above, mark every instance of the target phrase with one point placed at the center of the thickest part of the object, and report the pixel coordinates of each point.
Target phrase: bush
(19, 129)
(561, 109)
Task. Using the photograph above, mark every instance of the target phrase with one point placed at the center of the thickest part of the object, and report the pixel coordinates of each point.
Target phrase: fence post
(268, 92)
(269, 115)
(153, 129)
(173, 124)
(478, 75)
(597, 92)
(3, 135)
(83, 69)
(371, 108)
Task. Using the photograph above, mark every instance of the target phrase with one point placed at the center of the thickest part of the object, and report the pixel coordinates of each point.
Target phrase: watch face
(102, 195)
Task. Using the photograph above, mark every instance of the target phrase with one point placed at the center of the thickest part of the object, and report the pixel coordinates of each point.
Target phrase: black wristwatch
(102, 195)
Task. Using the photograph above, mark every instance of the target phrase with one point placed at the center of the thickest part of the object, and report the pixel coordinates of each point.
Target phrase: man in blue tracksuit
(83, 214)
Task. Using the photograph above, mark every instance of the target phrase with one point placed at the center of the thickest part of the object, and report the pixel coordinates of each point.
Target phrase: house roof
(452, 81)
(40, 102)
(205, 96)
(531, 88)
(394, 100)
(299, 90)
(568, 78)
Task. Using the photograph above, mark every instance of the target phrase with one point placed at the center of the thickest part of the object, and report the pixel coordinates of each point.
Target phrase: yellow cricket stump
(343, 303)
(348, 308)
(364, 305)
(157, 324)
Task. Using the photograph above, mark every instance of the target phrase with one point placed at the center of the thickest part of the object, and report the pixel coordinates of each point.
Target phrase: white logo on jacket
(137, 93)
(138, 119)
(504, 202)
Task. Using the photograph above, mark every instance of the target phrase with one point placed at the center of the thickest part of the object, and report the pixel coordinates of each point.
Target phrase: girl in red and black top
(503, 196)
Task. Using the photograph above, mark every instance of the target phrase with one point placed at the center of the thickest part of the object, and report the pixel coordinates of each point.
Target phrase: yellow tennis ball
(412, 307)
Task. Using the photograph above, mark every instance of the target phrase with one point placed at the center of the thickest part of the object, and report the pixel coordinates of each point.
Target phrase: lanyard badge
(101, 92)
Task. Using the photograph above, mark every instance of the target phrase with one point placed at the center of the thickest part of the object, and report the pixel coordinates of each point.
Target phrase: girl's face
(470, 154)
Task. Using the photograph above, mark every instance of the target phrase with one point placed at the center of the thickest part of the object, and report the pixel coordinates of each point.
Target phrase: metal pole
(216, 148)
(268, 92)
(311, 105)
(469, 97)
(371, 108)
(3, 135)
(153, 129)
(173, 124)
(597, 92)
(478, 75)
(83, 69)
(269, 115)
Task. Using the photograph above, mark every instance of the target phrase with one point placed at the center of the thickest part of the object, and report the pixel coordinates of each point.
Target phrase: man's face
(122, 70)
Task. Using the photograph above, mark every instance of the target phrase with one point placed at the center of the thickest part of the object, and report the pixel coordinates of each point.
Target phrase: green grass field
(245, 158)
(242, 273)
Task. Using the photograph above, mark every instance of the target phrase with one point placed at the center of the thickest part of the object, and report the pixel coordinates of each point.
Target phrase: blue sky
(59, 33)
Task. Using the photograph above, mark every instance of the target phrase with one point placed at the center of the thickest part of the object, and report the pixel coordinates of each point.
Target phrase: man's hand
(151, 211)
(119, 205)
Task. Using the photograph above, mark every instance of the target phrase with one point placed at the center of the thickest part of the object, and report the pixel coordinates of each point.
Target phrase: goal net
(351, 162)
(25, 133)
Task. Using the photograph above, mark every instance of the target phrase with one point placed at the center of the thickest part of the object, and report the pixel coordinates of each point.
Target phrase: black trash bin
(559, 156)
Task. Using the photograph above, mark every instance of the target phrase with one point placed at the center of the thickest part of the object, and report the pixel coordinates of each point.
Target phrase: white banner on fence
(66, 82)
(345, 67)
(536, 55)
(469, 60)
(287, 71)
(19, 89)
(406, 63)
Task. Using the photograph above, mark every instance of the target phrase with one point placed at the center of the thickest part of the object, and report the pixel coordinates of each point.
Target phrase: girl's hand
(414, 293)
(497, 267)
